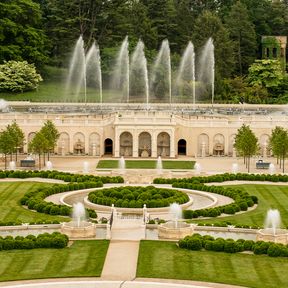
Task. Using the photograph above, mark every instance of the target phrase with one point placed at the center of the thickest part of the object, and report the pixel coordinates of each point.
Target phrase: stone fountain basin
(268, 235)
(169, 230)
(84, 230)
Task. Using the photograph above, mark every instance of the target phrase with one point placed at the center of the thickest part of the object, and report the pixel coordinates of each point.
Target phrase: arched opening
(182, 147)
(79, 144)
(63, 144)
(218, 145)
(108, 146)
(203, 145)
(94, 144)
(144, 144)
(126, 144)
(163, 144)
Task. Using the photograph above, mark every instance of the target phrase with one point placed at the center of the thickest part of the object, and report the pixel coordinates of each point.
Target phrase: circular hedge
(137, 196)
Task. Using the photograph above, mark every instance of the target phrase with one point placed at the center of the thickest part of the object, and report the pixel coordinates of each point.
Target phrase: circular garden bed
(137, 196)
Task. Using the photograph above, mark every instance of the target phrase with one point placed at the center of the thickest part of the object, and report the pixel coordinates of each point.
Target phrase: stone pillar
(154, 145)
(71, 148)
(172, 144)
(135, 144)
(116, 144)
(86, 145)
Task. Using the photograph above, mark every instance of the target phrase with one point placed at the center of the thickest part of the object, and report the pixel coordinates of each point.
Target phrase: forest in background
(44, 32)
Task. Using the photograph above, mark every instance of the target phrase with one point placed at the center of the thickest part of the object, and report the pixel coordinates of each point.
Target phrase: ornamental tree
(18, 77)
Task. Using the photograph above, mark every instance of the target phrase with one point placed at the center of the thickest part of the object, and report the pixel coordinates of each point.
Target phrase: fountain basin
(171, 230)
(271, 235)
(84, 230)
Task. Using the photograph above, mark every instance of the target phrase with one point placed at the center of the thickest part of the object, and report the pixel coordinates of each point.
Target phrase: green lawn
(11, 209)
(146, 164)
(83, 258)
(269, 196)
(162, 259)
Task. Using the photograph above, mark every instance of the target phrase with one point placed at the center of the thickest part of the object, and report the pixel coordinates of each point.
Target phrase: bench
(27, 163)
(262, 165)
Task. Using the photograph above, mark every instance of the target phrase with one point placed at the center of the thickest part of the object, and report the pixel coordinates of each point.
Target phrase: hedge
(198, 242)
(54, 240)
(137, 196)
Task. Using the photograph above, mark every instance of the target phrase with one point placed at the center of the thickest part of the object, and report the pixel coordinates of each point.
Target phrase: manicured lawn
(10, 207)
(269, 196)
(146, 164)
(83, 258)
(161, 259)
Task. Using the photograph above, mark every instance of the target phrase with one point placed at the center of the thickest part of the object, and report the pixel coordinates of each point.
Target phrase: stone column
(172, 144)
(154, 145)
(116, 144)
(71, 146)
(135, 144)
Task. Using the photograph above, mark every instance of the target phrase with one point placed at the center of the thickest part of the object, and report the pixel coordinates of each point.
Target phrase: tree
(6, 145)
(38, 145)
(17, 137)
(241, 31)
(51, 135)
(266, 73)
(246, 144)
(18, 77)
(21, 34)
(278, 142)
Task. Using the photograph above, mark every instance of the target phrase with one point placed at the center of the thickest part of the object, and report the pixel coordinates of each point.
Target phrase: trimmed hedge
(54, 240)
(15, 223)
(242, 200)
(137, 196)
(198, 242)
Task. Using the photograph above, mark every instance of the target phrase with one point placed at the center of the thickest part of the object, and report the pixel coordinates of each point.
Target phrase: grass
(159, 259)
(10, 207)
(83, 258)
(146, 164)
(269, 196)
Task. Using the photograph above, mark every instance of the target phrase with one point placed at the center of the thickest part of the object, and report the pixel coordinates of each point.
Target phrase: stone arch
(163, 144)
(182, 147)
(94, 144)
(264, 143)
(126, 144)
(203, 145)
(108, 146)
(63, 144)
(144, 144)
(218, 144)
(30, 137)
(79, 143)
(231, 149)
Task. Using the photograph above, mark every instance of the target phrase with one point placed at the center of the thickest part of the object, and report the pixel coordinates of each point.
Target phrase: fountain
(235, 168)
(79, 227)
(271, 168)
(159, 165)
(139, 74)
(120, 78)
(186, 73)
(122, 165)
(174, 229)
(49, 165)
(4, 106)
(207, 67)
(85, 167)
(272, 231)
(161, 74)
(198, 168)
(12, 165)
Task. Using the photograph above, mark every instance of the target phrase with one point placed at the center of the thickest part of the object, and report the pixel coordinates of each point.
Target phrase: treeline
(44, 31)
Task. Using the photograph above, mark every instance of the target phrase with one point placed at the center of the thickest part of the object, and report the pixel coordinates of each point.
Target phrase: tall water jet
(93, 70)
(85, 167)
(206, 73)
(185, 81)
(120, 78)
(161, 74)
(159, 165)
(77, 72)
(176, 211)
(122, 165)
(139, 73)
(78, 214)
(273, 220)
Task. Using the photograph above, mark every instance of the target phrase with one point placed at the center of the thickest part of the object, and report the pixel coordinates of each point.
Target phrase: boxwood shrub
(198, 242)
(137, 196)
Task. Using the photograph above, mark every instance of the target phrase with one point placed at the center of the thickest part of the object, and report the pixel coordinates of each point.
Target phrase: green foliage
(18, 77)
(135, 197)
